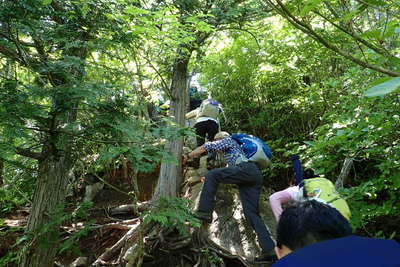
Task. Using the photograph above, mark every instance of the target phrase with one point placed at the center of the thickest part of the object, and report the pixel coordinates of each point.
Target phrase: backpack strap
(333, 200)
(302, 185)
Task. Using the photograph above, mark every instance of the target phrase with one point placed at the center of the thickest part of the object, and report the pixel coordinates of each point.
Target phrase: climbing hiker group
(308, 214)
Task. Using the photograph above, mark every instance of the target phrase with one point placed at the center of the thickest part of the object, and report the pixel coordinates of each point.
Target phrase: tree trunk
(45, 212)
(55, 165)
(50, 191)
(171, 174)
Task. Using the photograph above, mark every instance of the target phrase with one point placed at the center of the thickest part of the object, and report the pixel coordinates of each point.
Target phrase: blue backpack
(254, 148)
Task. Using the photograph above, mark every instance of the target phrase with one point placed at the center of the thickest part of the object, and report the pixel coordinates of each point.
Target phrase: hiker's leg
(250, 196)
(201, 132)
(227, 175)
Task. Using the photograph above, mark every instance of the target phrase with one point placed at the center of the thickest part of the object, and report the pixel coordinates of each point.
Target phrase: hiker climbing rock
(244, 173)
(309, 186)
(206, 122)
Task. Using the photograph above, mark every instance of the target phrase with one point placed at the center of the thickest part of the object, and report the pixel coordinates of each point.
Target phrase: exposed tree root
(227, 241)
(166, 247)
(123, 209)
(123, 225)
(113, 251)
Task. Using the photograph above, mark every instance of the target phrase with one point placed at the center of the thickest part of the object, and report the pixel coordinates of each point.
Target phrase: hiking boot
(266, 257)
(203, 216)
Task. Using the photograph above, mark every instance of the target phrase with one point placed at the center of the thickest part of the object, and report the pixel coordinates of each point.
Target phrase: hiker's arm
(197, 152)
(191, 114)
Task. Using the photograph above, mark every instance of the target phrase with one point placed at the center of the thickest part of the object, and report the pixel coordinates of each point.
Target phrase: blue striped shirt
(232, 150)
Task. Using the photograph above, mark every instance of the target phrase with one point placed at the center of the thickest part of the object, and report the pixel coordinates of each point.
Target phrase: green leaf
(394, 61)
(308, 6)
(383, 88)
(376, 34)
(376, 2)
(46, 2)
(349, 16)
(379, 81)
(310, 143)
(135, 11)
(340, 132)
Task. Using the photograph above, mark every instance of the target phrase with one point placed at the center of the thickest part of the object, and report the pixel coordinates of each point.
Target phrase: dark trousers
(249, 178)
(206, 128)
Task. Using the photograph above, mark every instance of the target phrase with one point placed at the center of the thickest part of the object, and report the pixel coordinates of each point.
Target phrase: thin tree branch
(247, 31)
(28, 153)
(166, 87)
(310, 31)
(10, 54)
(354, 36)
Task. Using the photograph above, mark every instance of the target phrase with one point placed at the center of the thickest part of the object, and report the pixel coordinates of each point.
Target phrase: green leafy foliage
(375, 206)
(172, 213)
(9, 200)
(11, 258)
(212, 257)
(71, 245)
(367, 131)
(47, 2)
(19, 179)
(308, 6)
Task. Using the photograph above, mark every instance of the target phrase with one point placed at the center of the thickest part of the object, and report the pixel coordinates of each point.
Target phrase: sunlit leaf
(350, 15)
(376, 34)
(383, 88)
(135, 11)
(309, 5)
(376, 2)
(310, 143)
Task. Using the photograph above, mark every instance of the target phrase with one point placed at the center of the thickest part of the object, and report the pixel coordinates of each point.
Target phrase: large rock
(229, 229)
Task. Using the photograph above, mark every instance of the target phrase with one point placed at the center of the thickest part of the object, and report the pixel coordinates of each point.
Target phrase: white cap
(221, 135)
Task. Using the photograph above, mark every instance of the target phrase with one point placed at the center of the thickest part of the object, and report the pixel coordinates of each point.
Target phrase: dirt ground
(95, 241)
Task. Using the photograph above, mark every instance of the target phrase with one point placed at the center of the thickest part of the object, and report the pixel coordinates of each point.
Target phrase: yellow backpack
(323, 190)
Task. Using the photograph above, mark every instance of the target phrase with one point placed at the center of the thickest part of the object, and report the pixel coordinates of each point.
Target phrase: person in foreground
(310, 233)
(239, 171)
